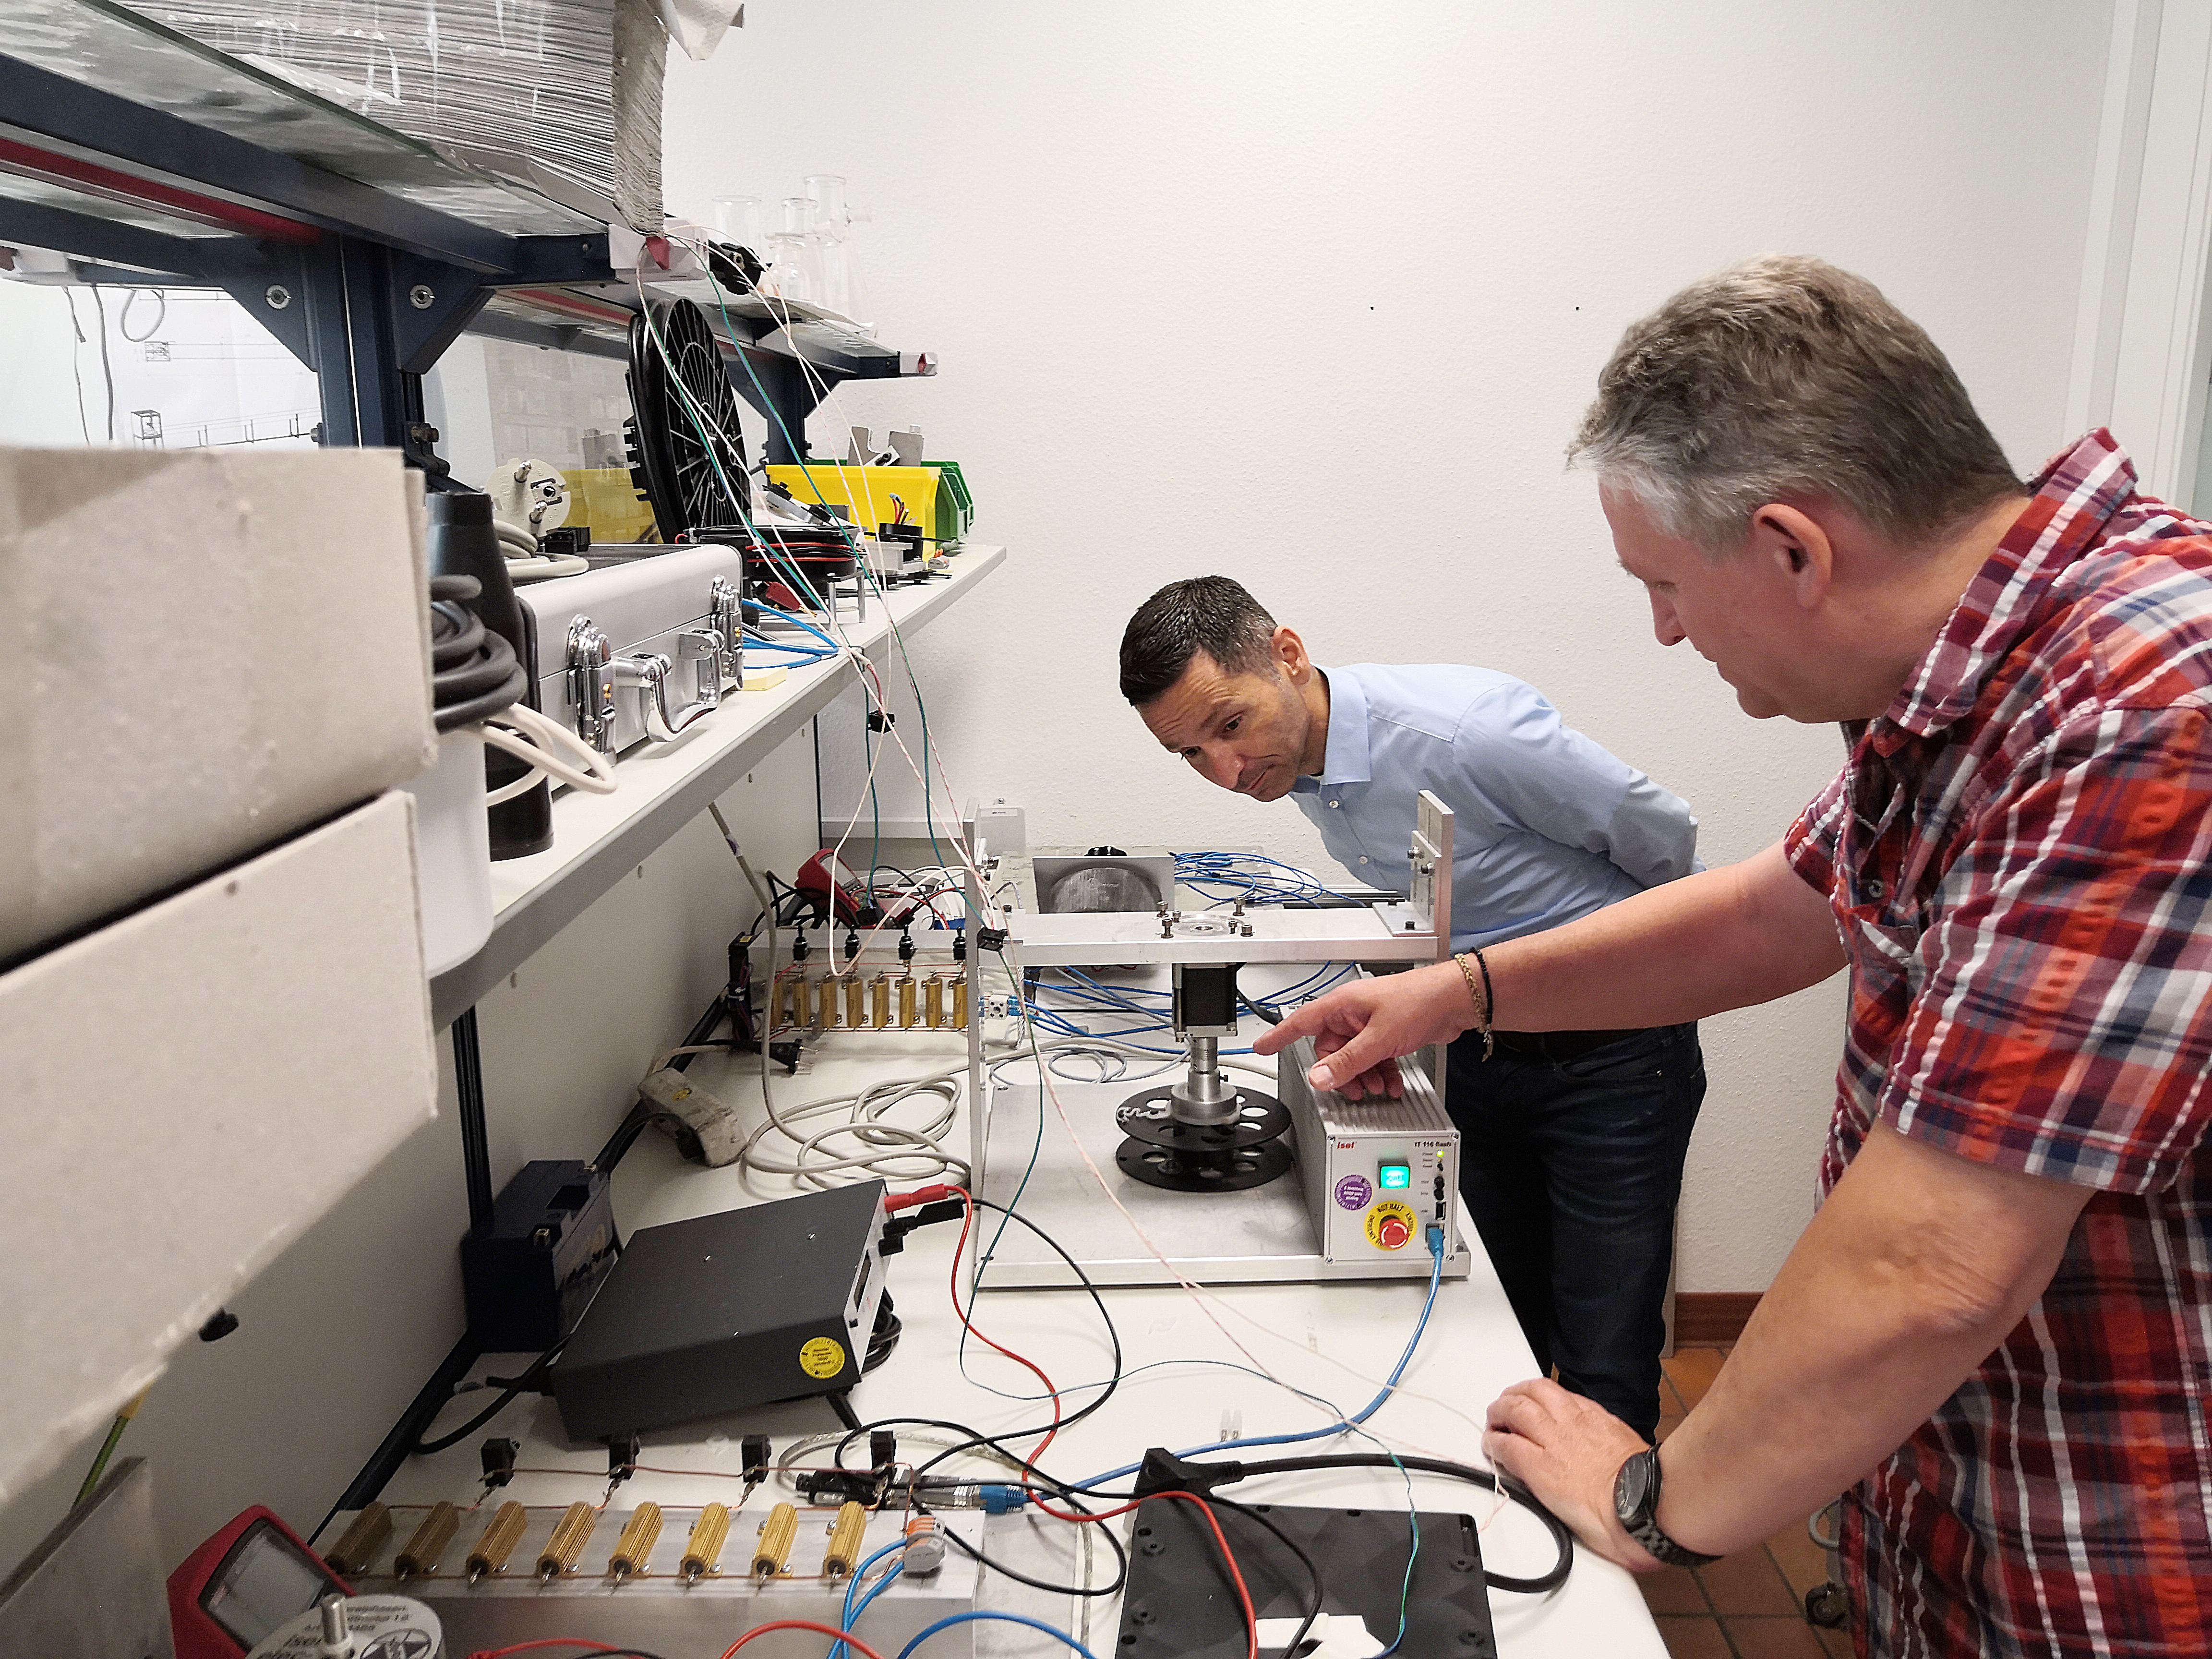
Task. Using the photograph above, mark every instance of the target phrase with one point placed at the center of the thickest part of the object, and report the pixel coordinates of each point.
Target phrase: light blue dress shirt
(1549, 826)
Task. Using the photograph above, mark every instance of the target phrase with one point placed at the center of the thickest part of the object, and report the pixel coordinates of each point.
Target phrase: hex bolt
(422, 296)
(278, 297)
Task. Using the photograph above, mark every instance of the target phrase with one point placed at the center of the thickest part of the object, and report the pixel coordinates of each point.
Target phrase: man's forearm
(1721, 939)
(1902, 1286)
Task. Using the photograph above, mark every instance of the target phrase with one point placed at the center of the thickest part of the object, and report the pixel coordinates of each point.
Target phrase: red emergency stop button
(1395, 1233)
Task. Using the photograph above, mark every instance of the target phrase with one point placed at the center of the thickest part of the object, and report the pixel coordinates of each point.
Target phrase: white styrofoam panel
(208, 651)
(188, 1089)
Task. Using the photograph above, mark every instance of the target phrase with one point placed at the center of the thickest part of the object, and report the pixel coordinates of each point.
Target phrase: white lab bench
(1337, 1341)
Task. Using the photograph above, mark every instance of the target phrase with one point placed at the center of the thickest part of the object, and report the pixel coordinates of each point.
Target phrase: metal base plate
(1213, 1237)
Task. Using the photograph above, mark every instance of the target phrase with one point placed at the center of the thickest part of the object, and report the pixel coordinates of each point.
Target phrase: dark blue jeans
(1570, 1171)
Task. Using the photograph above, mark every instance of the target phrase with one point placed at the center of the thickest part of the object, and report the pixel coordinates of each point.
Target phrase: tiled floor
(1750, 1605)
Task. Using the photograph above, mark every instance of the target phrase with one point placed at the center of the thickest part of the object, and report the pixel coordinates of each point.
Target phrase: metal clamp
(649, 671)
(591, 684)
(727, 606)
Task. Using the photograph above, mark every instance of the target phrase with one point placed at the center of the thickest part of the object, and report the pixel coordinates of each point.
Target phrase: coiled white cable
(522, 732)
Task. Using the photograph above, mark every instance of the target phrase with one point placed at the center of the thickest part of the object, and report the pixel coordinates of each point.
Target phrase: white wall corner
(2142, 353)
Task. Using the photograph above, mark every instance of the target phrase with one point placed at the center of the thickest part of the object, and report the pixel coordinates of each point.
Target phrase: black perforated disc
(1235, 1171)
(1260, 1118)
(689, 456)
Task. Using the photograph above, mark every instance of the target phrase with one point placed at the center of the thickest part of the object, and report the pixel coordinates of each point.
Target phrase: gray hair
(1209, 614)
(1785, 379)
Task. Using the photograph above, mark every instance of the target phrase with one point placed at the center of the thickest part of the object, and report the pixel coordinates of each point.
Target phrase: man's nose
(1665, 623)
(1221, 765)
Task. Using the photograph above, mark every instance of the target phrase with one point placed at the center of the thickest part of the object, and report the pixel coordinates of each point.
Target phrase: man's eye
(1228, 727)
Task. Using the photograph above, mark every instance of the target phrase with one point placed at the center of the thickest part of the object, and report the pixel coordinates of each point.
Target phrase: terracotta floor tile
(1694, 1639)
(1692, 1371)
(1836, 1644)
(1748, 1583)
(1668, 1424)
(1803, 1563)
(1669, 1400)
(1672, 1589)
(1773, 1639)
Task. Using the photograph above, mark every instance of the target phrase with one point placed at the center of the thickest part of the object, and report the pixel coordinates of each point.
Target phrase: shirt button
(1332, 803)
(1363, 858)
(1874, 888)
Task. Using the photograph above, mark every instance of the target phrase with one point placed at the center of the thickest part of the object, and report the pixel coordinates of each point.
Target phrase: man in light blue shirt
(1573, 1143)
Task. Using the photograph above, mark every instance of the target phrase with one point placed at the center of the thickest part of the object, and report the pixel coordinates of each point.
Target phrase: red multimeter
(247, 1581)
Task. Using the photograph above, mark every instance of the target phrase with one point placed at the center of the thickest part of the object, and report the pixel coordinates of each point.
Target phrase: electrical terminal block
(500, 1537)
(777, 1533)
(703, 1554)
(358, 1547)
(571, 1534)
(846, 1534)
(924, 1547)
(635, 1546)
(429, 1542)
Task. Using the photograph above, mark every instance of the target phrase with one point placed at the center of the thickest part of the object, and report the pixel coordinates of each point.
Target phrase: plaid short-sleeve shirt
(2020, 855)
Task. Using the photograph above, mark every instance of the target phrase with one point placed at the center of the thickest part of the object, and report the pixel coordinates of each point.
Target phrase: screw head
(422, 296)
(278, 297)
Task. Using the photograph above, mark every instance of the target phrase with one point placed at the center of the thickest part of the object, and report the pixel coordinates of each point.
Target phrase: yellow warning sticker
(823, 1356)
(1391, 1225)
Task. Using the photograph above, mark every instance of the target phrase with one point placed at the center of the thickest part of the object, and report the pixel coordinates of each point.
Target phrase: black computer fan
(686, 452)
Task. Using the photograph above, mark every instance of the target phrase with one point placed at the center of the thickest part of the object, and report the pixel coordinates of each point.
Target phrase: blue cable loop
(838, 1650)
(1436, 1243)
(796, 621)
(1009, 1618)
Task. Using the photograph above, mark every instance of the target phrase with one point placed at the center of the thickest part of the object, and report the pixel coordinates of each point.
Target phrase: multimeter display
(263, 1583)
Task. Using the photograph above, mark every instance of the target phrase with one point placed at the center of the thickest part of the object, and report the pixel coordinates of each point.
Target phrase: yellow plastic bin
(867, 491)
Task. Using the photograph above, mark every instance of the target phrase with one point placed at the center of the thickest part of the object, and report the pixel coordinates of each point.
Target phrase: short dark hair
(1785, 377)
(1212, 614)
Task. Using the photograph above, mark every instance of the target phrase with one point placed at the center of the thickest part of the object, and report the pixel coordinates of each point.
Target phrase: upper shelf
(116, 54)
(598, 839)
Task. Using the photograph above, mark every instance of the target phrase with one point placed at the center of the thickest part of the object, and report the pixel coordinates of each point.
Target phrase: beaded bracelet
(1480, 996)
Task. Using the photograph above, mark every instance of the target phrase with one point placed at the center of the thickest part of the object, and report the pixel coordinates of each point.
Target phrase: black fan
(686, 452)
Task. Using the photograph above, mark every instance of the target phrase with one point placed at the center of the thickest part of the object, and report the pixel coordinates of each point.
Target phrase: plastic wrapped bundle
(524, 87)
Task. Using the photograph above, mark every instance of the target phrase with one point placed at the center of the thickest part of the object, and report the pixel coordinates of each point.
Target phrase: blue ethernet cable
(851, 1612)
(1009, 1618)
(1436, 1241)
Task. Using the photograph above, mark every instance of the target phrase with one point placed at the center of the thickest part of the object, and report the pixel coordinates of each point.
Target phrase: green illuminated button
(1398, 1176)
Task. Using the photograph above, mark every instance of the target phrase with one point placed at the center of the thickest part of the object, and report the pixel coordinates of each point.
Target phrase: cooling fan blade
(689, 456)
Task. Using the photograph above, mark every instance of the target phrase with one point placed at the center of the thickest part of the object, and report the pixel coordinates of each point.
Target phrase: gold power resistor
(775, 1536)
(933, 1002)
(636, 1542)
(791, 1006)
(856, 1003)
(358, 1547)
(906, 1003)
(498, 1542)
(960, 1003)
(571, 1534)
(704, 1550)
(843, 1552)
(880, 996)
(824, 994)
(429, 1542)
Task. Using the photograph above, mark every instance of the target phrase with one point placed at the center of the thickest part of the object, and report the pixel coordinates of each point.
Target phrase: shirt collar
(2073, 497)
(1346, 760)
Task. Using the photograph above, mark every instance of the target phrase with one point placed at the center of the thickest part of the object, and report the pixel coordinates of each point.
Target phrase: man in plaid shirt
(2004, 1308)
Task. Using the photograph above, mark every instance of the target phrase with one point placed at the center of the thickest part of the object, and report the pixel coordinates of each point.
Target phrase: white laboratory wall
(1314, 294)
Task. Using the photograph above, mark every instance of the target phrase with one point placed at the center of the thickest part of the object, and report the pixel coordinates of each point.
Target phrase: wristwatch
(1636, 1501)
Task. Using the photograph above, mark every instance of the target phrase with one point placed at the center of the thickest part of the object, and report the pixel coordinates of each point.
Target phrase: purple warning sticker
(1353, 1192)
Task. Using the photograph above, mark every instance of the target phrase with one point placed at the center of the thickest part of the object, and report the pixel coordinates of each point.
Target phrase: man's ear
(1289, 651)
(1793, 542)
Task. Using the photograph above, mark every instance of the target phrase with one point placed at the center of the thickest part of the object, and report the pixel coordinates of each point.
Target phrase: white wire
(522, 732)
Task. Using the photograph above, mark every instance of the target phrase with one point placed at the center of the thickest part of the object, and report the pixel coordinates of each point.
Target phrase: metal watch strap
(1639, 1520)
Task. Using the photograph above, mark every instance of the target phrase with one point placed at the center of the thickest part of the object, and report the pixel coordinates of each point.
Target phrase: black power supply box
(720, 1312)
(552, 1240)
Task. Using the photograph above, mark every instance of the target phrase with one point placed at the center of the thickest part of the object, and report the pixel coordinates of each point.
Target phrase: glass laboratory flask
(738, 219)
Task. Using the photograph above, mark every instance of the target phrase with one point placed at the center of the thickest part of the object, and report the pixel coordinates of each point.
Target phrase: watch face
(1631, 1496)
